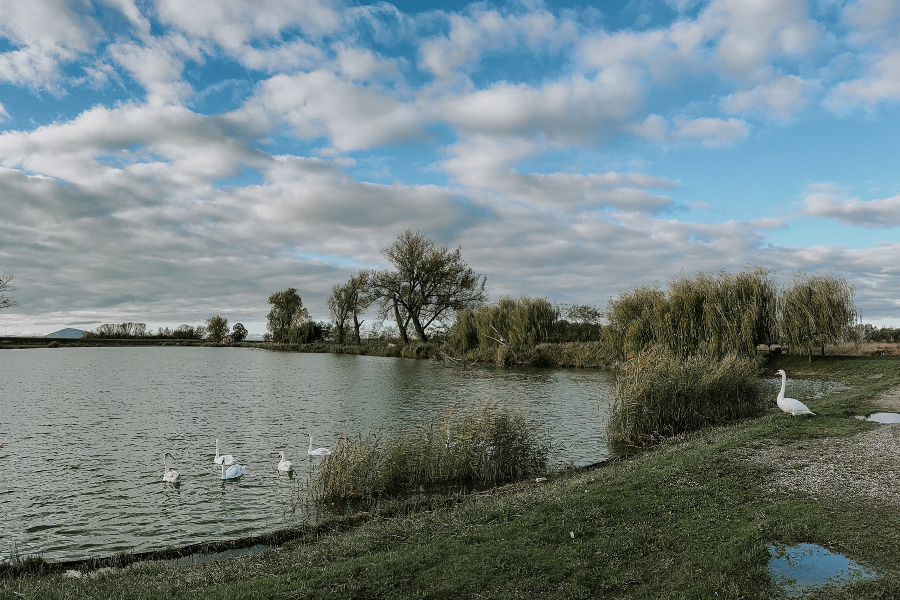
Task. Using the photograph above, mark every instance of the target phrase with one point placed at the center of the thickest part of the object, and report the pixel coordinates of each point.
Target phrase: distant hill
(66, 333)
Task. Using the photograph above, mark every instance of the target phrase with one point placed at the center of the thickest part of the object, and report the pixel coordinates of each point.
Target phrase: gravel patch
(865, 466)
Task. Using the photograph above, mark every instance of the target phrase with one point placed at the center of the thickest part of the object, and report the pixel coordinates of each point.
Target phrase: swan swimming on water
(789, 405)
(232, 472)
(226, 459)
(284, 466)
(317, 451)
(170, 475)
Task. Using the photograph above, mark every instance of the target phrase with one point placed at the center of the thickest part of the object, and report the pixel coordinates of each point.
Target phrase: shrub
(658, 395)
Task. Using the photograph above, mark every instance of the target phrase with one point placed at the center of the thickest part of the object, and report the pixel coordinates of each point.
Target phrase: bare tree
(349, 301)
(430, 282)
(6, 285)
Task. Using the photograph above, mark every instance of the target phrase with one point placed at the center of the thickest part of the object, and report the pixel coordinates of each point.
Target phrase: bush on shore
(482, 445)
(659, 396)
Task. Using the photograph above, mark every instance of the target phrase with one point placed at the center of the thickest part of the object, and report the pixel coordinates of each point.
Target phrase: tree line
(429, 292)
(215, 330)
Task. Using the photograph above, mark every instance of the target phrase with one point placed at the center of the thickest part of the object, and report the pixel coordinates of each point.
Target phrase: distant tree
(306, 332)
(119, 331)
(187, 332)
(287, 312)
(349, 301)
(6, 285)
(430, 282)
(339, 309)
(580, 323)
(239, 333)
(217, 329)
(816, 310)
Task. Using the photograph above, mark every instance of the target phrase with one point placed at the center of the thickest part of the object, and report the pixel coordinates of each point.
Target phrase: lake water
(83, 432)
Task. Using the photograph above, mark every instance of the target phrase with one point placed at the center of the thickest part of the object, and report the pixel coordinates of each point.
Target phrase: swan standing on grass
(232, 472)
(284, 466)
(226, 459)
(317, 451)
(170, 475)
(789, 405)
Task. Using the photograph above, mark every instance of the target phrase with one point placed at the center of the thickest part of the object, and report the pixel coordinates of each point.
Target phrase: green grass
(679, 520)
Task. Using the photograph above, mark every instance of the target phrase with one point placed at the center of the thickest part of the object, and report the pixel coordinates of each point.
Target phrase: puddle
(889, 418)
(195, 559)
(803, 568)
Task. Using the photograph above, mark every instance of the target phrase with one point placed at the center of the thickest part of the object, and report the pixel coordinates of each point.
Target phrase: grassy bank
(684, 519)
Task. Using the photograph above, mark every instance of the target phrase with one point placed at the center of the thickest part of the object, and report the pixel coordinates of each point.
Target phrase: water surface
(83, 432)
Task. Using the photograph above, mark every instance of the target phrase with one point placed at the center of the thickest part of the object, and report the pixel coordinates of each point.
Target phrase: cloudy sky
(165, 161)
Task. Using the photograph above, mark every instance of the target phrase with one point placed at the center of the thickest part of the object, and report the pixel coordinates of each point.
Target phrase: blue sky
(165, 162)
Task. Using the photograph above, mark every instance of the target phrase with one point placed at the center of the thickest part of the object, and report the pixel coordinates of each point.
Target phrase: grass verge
(679, 520)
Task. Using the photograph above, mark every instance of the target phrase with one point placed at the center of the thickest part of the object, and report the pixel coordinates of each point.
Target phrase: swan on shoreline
(317, 451)
(789, 405)
(170, 475)
(226, 459)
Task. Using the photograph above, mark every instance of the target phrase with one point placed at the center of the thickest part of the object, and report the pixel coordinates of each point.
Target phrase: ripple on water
(800, 569)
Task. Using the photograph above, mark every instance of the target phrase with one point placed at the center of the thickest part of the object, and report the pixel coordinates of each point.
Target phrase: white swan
(317, 451)
(284, 466)
(232, 472)
(170, 475)
(789, 405)
(226, 459)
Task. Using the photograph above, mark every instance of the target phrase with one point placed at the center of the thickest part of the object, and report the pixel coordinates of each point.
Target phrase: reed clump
(659, 395)
(483, 445)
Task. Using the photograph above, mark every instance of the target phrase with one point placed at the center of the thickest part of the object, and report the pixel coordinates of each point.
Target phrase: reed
(483, 445)
(659, 396)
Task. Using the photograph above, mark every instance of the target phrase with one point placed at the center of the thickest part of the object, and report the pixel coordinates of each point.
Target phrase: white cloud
(252, 32)
(873, 26)
(320, 103)
(709, 131)
(482, 31)
(829, 203)
(157, 66)
(780, 97)
(486, 163)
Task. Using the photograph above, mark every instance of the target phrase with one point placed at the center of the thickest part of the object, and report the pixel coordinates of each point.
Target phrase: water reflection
(886, 418)
(85, 430)
(800, 569)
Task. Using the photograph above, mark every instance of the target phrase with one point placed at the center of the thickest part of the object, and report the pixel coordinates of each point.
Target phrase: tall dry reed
(482, 445)
(658, 395)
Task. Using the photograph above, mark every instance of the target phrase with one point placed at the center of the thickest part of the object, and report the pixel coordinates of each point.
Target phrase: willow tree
(428, 283)
(633, 320)
(287, 312)
(741, 312)
(816, 310)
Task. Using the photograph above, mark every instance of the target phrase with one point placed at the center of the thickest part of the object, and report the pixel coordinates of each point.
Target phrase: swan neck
(783, 384)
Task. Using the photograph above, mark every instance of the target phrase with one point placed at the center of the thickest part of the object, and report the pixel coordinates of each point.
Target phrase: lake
(83, 432)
